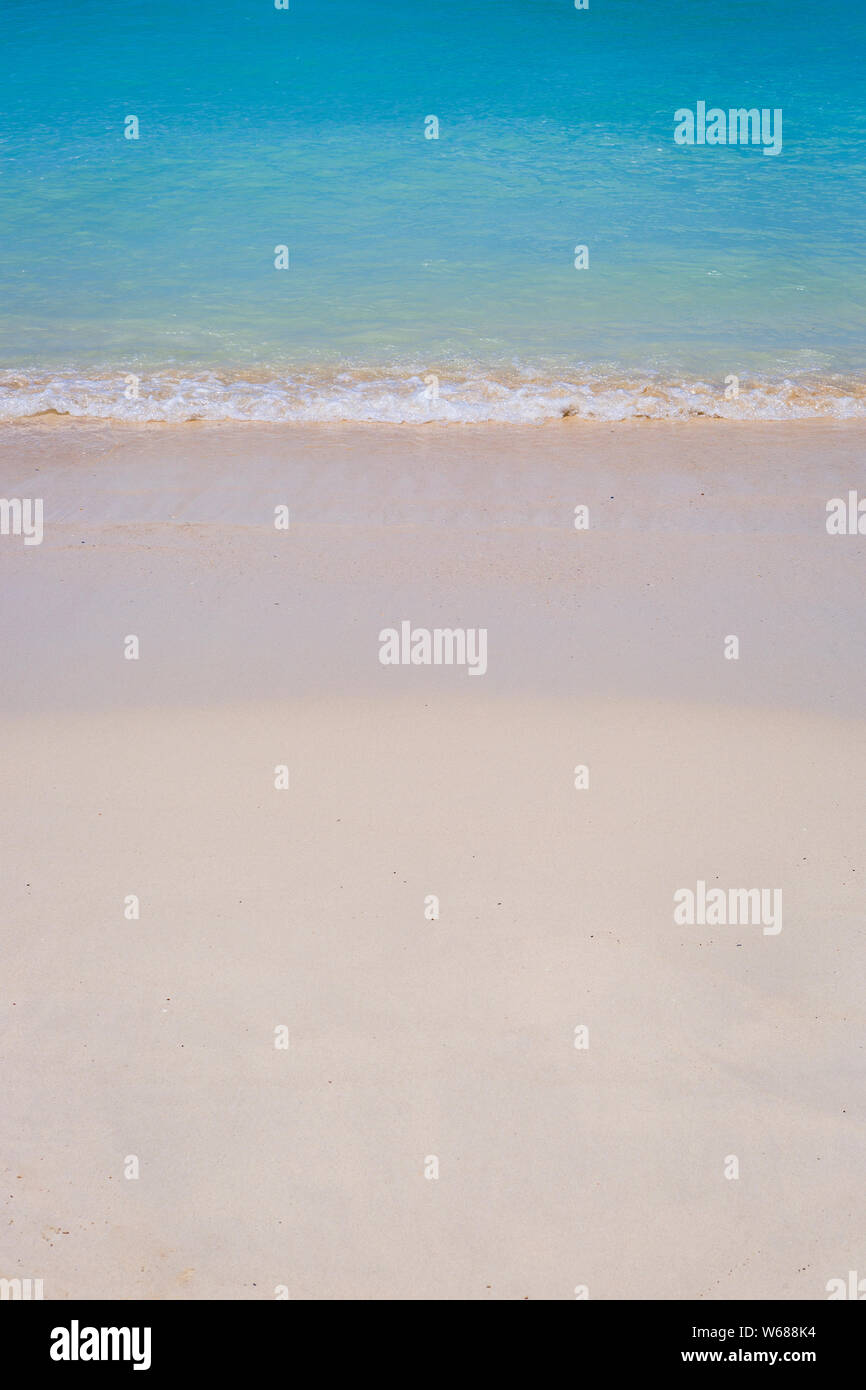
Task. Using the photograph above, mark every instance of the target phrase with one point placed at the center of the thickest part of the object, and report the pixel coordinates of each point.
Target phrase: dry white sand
(558, 1167)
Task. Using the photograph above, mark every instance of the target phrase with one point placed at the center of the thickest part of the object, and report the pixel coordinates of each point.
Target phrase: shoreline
(425, 395)
(60, 418)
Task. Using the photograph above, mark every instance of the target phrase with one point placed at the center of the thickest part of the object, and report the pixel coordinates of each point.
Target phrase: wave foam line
(424, 398)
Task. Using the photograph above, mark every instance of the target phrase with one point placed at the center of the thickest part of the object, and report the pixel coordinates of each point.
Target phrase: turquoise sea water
(410, 256)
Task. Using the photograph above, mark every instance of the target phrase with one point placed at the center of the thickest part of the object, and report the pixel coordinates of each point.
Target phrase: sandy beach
(605, 1167)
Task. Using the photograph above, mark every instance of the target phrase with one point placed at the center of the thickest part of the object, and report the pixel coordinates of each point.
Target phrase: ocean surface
(429, 278)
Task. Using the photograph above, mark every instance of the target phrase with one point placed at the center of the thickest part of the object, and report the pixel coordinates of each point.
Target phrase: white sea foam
(174, 396)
